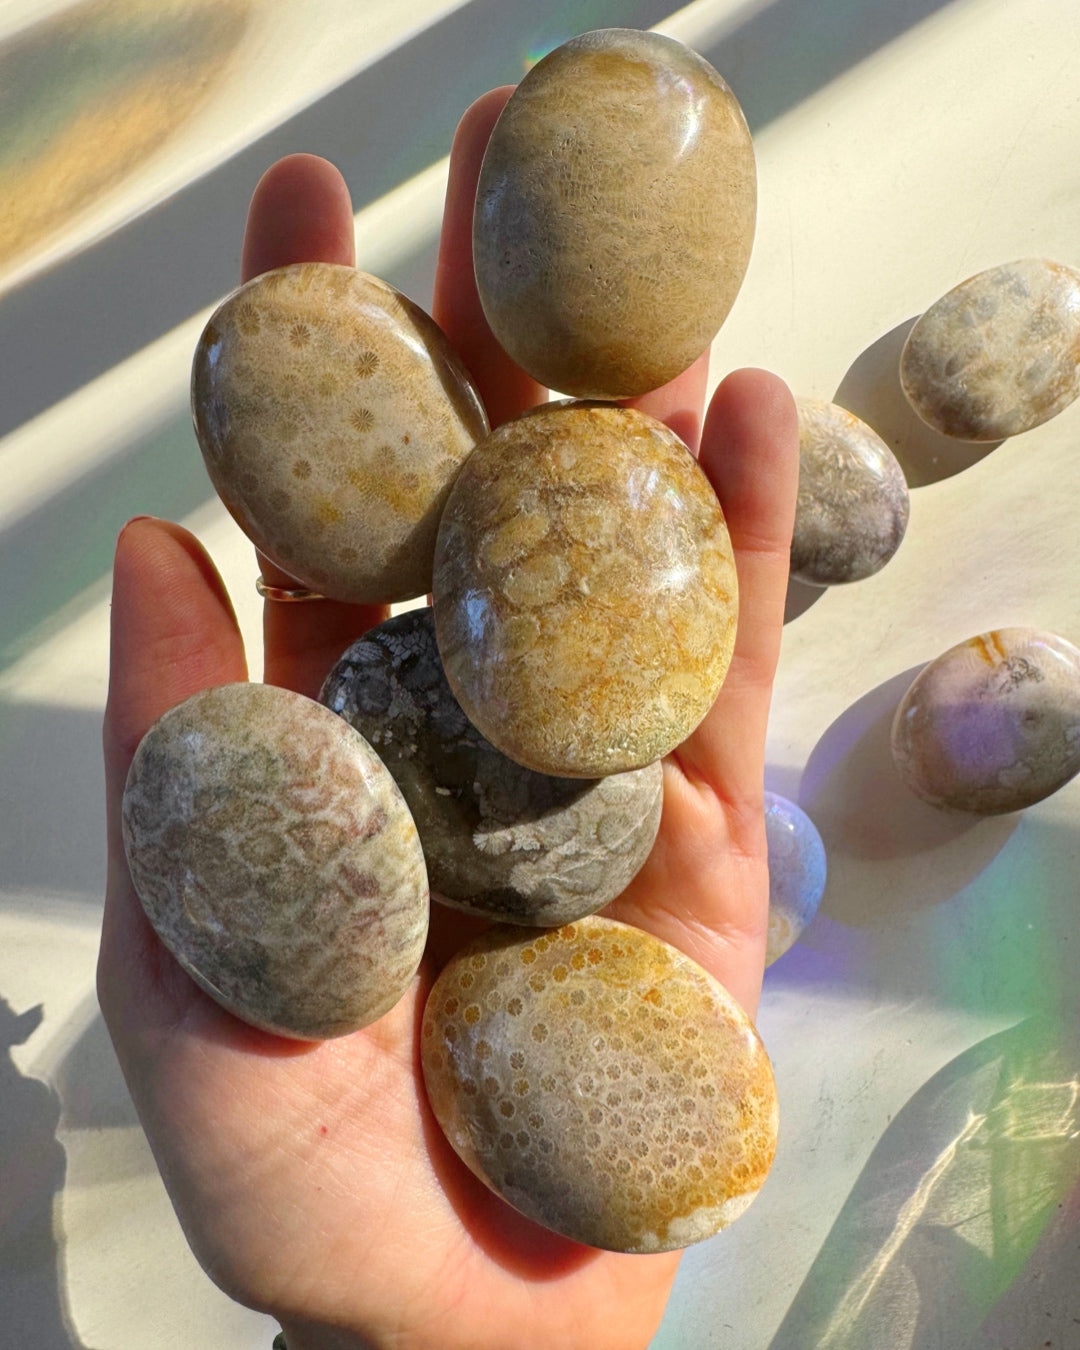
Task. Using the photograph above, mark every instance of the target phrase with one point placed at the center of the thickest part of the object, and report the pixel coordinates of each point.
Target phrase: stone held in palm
(277, 860)
(333, 415)
(993, 724)
(499, 840)
(999, 353)
(602, 1083)
(853, 504)
(614, 213)
(585, 593)
(797, 873)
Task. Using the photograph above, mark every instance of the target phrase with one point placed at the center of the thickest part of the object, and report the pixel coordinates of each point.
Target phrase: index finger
(505, 388)
(301, 211)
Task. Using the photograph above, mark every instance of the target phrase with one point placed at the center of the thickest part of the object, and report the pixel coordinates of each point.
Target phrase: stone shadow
(874, 827)
(871, 389)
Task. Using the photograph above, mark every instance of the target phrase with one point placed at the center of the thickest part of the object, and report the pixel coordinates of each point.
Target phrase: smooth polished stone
(993, 724)
(498, 839)
(796, 873)
(333, 415)
(277, 860)
(585, 594)
(614, 214)
(853, 502)
(998, 354)
(602, 1083)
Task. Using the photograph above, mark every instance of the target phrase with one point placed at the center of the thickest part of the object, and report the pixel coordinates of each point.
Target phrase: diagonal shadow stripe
(383, 126)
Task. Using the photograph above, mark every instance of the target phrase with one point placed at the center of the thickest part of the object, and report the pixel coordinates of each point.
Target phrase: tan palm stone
(585, 594)
(333, 415)
(602, 1083)
(277, 860)
(614, 214)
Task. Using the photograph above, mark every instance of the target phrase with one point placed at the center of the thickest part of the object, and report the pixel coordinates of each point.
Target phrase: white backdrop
(927, 1188)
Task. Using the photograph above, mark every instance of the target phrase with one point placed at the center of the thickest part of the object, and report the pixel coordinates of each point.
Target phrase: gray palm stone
(500, 840)
(853, 504)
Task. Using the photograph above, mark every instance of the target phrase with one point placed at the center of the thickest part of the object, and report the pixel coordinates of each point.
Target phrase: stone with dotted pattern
(614, 213)
(602, 1083)
(585, 593)
(333, 416)
(277, 860)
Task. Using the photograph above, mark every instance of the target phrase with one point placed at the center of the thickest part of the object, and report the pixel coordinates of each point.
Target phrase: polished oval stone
(333, 415)
(585, 595)
(993, 724)
(998, 354)
(498, 839)
(602, 1083)
(614, 214)
(796, 873)
(277, 860)
(853, 504)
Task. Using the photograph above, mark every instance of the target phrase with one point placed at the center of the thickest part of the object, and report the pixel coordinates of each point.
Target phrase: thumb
(173, 633)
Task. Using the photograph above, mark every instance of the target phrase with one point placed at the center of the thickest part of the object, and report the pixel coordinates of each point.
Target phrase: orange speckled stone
(277, 860)
(585, 595)
(602, 1083)
(614, 213)
(333, 415)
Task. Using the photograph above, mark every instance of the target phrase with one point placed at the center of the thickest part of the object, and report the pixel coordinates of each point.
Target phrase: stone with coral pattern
(998, 354)
(602, 1083)
(614, 213)
(585, 594)
(333, 416)
(277, 860)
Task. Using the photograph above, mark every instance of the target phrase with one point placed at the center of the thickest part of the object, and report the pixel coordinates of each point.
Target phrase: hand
(311, 1180)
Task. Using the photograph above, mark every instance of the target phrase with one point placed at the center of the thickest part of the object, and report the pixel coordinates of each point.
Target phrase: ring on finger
(285, 594)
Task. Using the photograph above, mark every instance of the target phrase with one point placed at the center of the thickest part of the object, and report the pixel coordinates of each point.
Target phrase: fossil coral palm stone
(853, 502)
(277, 860)
(602, 1083)
(998, 354)
(333, 414)
(614, 213)
(585, 593)
(498, 839)
(993, 724)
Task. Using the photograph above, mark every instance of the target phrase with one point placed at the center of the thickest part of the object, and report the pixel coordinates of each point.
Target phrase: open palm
(312, 1180)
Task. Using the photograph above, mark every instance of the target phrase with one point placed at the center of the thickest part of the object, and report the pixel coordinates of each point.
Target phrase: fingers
(505, 389)
(173, 633)
(750, 452)
(680, 403)
(301, 211)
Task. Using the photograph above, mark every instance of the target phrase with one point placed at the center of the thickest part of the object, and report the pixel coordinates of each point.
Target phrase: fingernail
(132, 522)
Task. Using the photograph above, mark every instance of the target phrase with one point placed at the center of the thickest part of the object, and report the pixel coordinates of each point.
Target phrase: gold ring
(286, 594)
